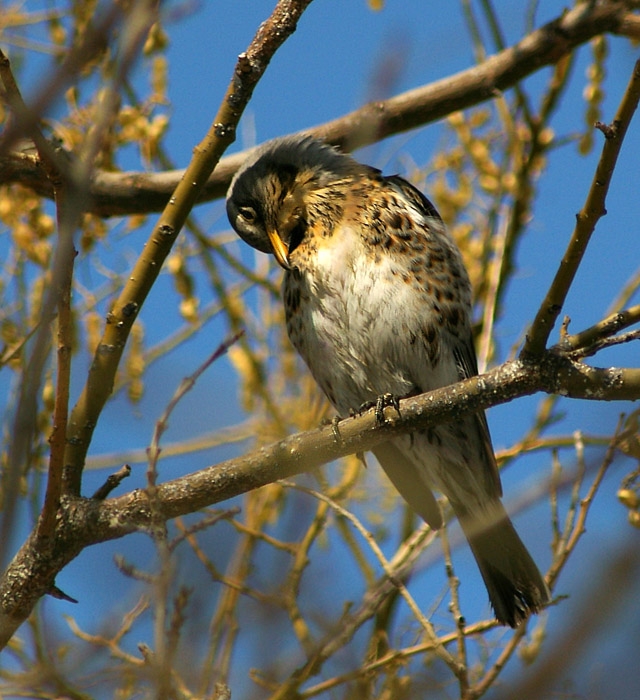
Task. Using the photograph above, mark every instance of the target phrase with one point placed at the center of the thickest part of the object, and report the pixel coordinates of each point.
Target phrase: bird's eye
(248, 214)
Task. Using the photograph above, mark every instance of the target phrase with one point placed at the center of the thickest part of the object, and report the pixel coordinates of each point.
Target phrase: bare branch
(306, 451)
(65, 255)
(589, 341)
(58, 297)
(249, 69)
(115, 194)
(593, 210)
(112, 482)
(187, 384)
(86, 522)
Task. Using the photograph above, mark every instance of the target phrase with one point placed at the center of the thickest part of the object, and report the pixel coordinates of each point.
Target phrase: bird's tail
(516, 587)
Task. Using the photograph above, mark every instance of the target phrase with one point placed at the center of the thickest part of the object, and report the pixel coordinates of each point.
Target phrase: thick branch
(249, 69)
(303, 452)
(84, 522)
(32, 572)
(117, 194)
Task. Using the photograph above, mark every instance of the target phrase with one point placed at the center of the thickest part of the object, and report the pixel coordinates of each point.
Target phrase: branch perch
(84, 522)
(554, 374)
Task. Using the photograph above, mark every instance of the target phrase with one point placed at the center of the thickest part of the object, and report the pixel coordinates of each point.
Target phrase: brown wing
(405, 476)
(467, 366)
(413, 193)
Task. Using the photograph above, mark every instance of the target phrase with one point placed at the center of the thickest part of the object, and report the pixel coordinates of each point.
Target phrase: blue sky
(323, 71)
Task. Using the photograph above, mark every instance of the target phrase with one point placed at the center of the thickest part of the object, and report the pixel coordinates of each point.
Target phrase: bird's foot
(335, 429)
(383, 401)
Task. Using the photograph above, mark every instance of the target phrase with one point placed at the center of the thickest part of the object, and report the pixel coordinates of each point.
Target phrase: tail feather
(514, 583)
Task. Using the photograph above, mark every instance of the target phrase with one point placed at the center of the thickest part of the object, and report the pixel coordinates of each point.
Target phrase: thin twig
(58, 297)
(554, 488)
(579, 508)
(388, 569)
(598, 345)
(350, 623)
(393, 658)
(454, 585)
(186, 385)
(609, 326)
(112, 482)
(208, 521)
(112, 643)
(478, 689)
(593, 210)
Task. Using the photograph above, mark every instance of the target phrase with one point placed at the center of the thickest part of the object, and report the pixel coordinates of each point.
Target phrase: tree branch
(554, 374)
(589, 341)
(249, 69)
(58, 297)
(586, 220)
(32, 572)
(84, 522)
(118, 194)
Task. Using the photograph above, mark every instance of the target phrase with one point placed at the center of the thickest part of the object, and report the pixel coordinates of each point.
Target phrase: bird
(378, 303)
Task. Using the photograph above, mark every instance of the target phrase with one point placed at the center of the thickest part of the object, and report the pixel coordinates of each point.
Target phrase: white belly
(362, 326)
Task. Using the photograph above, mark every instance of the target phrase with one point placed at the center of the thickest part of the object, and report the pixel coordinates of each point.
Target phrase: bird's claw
(383, 401)
(335, 429)
(334, 423)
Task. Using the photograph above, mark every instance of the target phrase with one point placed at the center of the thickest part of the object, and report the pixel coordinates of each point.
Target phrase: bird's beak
(280, 249)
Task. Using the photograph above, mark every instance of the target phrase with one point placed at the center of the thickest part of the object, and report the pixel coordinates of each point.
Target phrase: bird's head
(268, 199)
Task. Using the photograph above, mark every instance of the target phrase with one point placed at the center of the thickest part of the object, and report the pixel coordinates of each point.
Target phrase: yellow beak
(280, 249)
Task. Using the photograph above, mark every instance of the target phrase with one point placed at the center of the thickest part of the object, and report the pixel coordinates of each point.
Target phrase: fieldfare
(378, 302)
